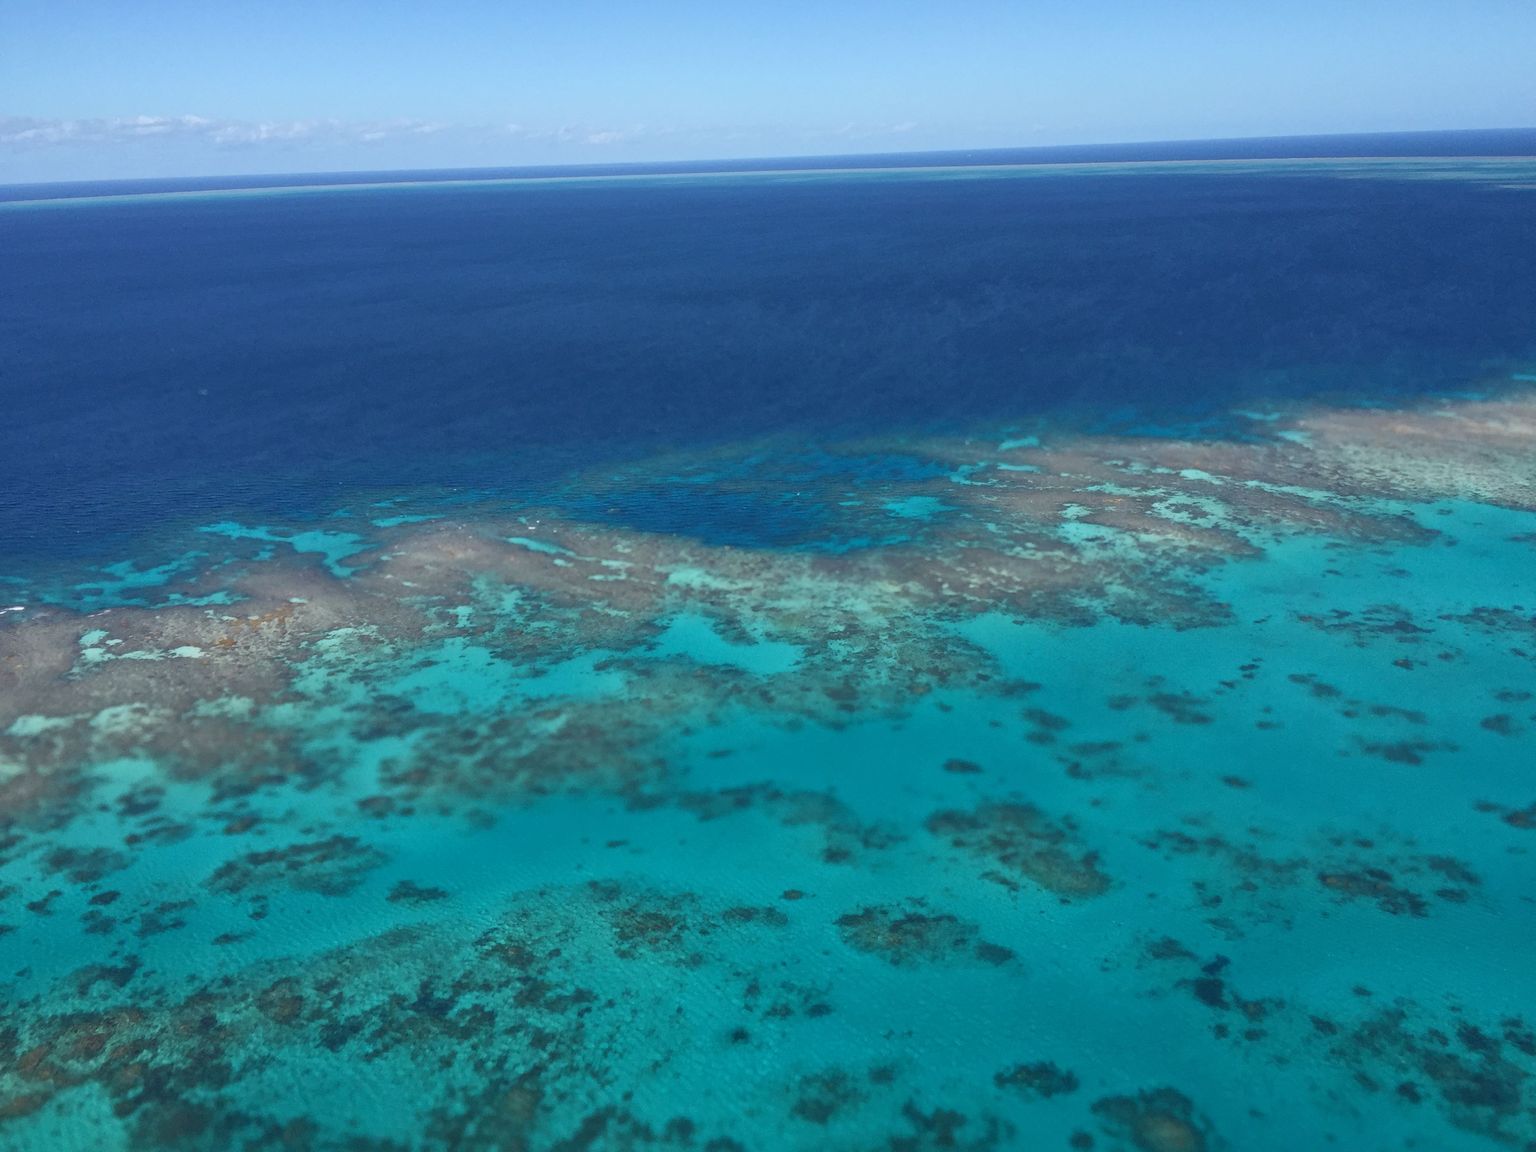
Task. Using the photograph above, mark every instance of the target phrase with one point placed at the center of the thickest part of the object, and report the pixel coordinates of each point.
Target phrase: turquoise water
(978, 784)
(1120, 803)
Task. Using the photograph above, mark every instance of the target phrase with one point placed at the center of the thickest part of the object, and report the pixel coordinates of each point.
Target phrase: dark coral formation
(1042, 1079)
(1021, 843)
(823, 1095)
(910, 936)
(1522, 818)
(1158, 1120)
(332, 867)
(842, 837)
(1481, 1079)
(1375, 885)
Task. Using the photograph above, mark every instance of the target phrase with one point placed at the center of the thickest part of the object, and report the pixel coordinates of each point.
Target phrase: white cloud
(26, 132)
(857, 130)
(17, 132)
(40, 148)
(595, 134)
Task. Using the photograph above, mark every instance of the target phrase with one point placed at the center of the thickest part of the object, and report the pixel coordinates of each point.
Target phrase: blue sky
(155, 87)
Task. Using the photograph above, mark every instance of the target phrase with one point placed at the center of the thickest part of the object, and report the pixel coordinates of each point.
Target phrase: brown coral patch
(1480, 1078)
(909, 937)
(1159, 1120)
(1020, 841)
(332, 867)
(1041, 1079)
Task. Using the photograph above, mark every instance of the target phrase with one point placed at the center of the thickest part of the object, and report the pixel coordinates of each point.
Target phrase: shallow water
(934, 767)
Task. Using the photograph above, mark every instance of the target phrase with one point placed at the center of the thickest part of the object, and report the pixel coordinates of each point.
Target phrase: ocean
(1021, 650)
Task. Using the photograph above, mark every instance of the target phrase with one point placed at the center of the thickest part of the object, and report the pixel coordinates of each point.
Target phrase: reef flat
(1018, 786)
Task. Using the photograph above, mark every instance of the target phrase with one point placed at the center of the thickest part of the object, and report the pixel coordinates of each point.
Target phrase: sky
(99, 89)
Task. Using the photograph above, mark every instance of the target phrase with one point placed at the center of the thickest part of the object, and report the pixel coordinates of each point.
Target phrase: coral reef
(531, 826)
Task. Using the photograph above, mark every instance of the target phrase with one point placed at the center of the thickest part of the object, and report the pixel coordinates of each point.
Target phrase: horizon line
(1290, 146)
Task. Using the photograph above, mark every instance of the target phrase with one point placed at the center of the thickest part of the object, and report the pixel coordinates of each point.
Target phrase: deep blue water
(264, 353)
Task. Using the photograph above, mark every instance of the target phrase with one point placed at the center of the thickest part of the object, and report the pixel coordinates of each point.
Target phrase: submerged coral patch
(1159, 1120)
(910, 935)
(1020, 843)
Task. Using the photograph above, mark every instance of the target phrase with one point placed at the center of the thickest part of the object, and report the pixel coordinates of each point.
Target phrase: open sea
(998, 651)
